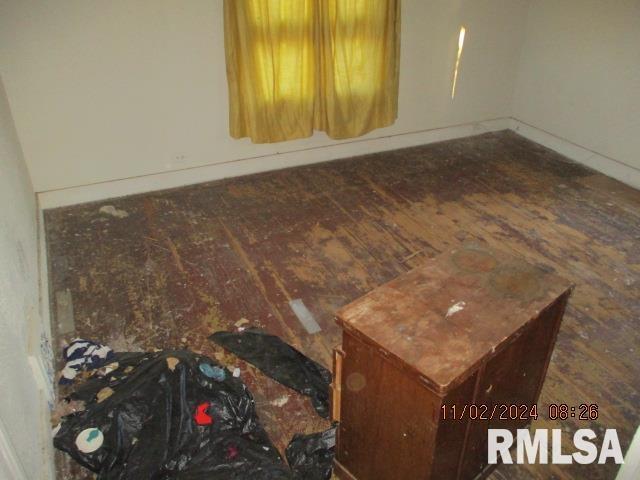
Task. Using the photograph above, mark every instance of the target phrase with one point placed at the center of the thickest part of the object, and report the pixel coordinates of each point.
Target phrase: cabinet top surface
(443, 318)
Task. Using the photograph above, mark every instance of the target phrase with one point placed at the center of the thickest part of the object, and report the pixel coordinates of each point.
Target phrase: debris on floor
(241, 322)
(82, 355)
(177, 414)
(282, 362)
(304, 316)
(455, 308)
(280, 401)
(64, 408)
(113, 211)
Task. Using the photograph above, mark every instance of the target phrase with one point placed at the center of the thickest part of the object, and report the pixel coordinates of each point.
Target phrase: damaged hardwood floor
(166, 269)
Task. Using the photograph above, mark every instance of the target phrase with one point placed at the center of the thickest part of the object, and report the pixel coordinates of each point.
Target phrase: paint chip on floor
(241, 322)
(113, 211)
(304, 315)
(280, 401)
(455, 308)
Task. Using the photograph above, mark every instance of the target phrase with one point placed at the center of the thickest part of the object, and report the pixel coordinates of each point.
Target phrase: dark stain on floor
(166, 269)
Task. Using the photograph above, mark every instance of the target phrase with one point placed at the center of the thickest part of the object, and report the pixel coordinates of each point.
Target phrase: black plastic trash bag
(311, 456)
(282, 362)
(169, 415)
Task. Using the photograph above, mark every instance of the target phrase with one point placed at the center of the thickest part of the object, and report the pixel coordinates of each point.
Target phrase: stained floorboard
(186, 262)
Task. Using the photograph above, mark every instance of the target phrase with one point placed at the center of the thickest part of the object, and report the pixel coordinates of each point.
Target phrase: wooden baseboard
(246, 166)
(609, 166)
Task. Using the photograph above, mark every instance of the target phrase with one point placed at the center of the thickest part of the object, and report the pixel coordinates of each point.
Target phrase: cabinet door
(387, 428)
(512, 379)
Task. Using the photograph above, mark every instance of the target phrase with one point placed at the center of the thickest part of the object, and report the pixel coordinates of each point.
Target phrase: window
(298, 65)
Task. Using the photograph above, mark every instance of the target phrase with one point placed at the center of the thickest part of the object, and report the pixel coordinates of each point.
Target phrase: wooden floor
(187, 262)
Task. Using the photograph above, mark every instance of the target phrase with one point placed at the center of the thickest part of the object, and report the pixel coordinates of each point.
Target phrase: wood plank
(188, 261)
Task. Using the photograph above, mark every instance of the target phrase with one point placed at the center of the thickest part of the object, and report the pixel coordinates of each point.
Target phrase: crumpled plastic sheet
(148, 428)
(280, 361)
(311, 456)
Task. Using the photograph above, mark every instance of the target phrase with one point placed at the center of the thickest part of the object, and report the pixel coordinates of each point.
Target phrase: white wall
(104, 90)
(24, 433)
(579, 78)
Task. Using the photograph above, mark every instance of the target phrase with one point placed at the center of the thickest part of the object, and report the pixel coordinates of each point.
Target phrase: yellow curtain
(298, 65)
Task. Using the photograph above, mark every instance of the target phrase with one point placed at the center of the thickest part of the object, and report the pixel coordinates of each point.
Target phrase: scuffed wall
(24, 433)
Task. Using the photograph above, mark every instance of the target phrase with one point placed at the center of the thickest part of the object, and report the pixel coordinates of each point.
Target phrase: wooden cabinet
(471, 330)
